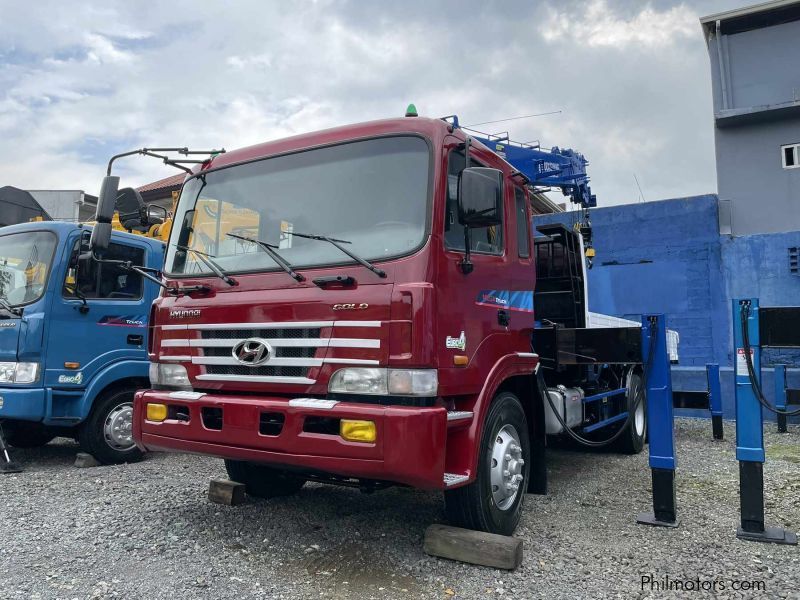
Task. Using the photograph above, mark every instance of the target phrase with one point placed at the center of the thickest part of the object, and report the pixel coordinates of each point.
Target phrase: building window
(790, 155)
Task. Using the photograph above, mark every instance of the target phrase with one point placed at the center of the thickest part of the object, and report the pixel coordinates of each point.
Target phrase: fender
(118, 371)
(510, 365)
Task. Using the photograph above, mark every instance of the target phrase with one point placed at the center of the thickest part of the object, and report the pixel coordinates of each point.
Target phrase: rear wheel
(107, 433)
(25, 434)
(493, 502)
(262, 481)
(632, 441)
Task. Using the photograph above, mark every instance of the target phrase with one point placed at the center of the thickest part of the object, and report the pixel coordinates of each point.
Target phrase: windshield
(372, 193)
(24, 264)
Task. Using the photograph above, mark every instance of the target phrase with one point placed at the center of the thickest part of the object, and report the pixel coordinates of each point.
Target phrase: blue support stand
(750, 433)
(780, 395)
(715, 400)
(659, 422)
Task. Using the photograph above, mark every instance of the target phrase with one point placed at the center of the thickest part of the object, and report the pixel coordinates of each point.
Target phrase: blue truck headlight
(23, 372)
(398, 382)
(169, 376)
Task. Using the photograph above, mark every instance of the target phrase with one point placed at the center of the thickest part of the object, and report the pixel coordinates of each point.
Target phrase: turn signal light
(72, 365)
(357, 431)
(460, 360)
(156, 412)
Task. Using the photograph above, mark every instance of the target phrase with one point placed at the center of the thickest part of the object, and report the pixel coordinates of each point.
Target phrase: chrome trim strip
(454, 478)
(186, 395)
(277, 343)
(527, 355)
(256, 379)
(357, 323)
(271, 325)
(175, 358)
(457, 415)
(351, 361)
(275, 361)
(174, 327)
(312, 403)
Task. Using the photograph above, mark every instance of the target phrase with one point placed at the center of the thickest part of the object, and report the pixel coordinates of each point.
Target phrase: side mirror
(480, 197)
(106, 201)
(155, 215)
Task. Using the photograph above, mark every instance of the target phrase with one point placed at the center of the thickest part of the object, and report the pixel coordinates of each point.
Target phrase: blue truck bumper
(24, 404)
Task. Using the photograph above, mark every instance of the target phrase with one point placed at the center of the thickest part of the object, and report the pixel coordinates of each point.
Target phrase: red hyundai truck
(356, 306)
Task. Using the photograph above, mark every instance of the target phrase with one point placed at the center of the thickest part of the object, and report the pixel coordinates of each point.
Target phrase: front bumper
(25, 404)
(409, 449)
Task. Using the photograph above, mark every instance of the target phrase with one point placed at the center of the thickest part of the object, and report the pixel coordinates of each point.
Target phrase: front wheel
(493, 502)
(107, 433)
(262, 481)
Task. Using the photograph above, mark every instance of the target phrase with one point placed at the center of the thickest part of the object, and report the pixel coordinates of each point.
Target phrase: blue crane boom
(555, 168)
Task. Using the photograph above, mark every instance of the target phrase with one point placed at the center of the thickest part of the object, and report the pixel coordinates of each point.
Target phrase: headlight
(13, 372)
(398, 382)
(169, 376)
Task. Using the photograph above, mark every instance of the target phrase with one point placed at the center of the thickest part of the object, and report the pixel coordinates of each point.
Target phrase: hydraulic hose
(601, 443)
(744, 313)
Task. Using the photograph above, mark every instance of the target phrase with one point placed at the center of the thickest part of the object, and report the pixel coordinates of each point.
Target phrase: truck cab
(73, 337)
(359, 309)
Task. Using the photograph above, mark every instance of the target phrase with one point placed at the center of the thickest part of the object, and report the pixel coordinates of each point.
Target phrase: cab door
(474, 316)
(99, 314)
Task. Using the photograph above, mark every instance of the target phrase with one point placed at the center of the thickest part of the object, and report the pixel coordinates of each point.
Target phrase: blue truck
(73, 336)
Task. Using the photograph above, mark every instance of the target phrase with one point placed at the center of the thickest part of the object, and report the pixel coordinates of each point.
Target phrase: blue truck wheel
(107, 433)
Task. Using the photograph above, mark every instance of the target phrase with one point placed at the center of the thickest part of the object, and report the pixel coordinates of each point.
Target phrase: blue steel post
(658, 380)
(715, 400)
(750, 429)
(780, 396)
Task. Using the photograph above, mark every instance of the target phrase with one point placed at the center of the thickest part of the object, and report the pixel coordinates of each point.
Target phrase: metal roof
(754, 10)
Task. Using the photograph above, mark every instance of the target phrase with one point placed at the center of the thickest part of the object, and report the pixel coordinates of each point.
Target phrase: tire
(483, 505)
(26, 434)
(107, 434)
(262, 481)
(633, 440)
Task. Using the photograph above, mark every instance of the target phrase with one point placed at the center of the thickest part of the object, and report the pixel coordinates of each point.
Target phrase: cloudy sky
(80, 81)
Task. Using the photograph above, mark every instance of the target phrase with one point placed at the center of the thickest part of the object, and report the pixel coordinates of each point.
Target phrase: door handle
(135, 340)
(503, 318)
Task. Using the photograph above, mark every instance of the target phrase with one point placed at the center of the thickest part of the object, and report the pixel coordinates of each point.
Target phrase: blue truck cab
(73, 336)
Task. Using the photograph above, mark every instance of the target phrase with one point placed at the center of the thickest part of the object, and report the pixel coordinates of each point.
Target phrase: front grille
(292, 333)
(278, 352)
(264, 371)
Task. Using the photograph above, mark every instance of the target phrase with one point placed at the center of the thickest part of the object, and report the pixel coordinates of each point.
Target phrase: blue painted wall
(668, 257)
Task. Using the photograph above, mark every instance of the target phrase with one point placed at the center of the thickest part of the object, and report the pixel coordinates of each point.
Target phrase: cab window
(87, 278)
(487, 240)
(523, 235)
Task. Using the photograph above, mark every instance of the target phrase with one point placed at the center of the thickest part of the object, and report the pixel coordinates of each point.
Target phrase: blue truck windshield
(373, 193)
(25, 260)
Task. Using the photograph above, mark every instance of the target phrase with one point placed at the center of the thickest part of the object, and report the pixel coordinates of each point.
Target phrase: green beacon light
(411, 111)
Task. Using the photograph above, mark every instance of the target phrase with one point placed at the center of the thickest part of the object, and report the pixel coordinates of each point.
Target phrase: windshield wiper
(204, 258)
(337, 243)
(270, 249)
(11, 309)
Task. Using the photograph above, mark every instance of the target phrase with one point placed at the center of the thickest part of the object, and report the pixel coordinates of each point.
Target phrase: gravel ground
(148, 531)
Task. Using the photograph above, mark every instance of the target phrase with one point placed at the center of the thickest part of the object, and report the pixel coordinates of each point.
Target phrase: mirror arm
(466, 264)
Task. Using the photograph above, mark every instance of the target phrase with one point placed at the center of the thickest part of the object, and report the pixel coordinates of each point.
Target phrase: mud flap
(537, 482)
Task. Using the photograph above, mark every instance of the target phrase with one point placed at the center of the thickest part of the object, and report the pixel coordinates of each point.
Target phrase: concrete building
(755, 75)
(66, 205)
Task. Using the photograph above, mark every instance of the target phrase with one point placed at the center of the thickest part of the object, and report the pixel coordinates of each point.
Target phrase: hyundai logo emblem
(252, 352)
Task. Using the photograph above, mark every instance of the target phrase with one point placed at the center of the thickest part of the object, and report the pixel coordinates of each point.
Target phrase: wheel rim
(117, 429)
(506, 467)
(638, 415)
